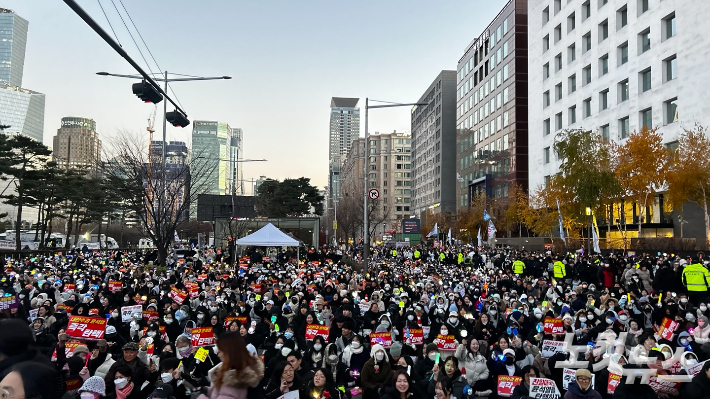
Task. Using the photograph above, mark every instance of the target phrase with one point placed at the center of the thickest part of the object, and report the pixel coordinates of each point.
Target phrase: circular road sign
(373, 194)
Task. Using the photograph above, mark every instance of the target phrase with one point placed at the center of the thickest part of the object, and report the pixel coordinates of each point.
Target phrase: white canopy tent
(268, 236)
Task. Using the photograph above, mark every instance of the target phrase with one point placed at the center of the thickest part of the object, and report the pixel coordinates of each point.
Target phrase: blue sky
(287, 59)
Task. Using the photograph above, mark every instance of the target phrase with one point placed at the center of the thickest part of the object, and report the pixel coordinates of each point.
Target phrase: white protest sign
(543, 388)
(694, 370)
(290, 395)
(568, 375)
(127, 312)
(550, 347)
(33, 314)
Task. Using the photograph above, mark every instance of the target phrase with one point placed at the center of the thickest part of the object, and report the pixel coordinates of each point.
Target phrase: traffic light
(146, 92)
(177, 118)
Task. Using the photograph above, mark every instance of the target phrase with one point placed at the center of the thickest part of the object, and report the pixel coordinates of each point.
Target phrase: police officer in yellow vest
(518, 266)
(460, 258)
(394, 253)
(417, 254)
(559, 269)
(442, 256)
(696, 277)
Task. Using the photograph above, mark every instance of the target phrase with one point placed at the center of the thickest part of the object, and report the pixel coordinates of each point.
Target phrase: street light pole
(365, 222)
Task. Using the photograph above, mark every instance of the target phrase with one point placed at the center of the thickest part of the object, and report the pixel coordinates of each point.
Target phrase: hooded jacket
(575, 392)
(373, 373)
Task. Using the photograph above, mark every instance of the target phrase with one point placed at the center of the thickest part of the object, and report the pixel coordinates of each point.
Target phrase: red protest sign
(150, 315)
(115, 286)
(413, 335)
(67, 308)
(193, 289)
(553, 325)
(69, 287)
(663, 386)
(202, 336)
(177, 295)
(163, 335)
(667, 328)
(228, 320)
(614, 381)
(445, 342)
(383, 338)
(316, 329)
(506, 384)
(89, 328)
(201, 277)
(68, 349)
(150, 349)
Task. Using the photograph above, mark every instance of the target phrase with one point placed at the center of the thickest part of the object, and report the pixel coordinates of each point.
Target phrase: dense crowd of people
(455, 322)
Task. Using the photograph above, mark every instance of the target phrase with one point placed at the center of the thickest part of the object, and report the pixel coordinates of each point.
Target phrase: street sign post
(373, 194)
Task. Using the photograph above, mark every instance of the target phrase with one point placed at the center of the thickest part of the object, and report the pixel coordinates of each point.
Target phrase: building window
(505, 95)
(505, 118)
(646, 118)
(558, 92)
(558, 121)
(623, 90)
(669, 26)
(623, 53)
(587, 75)
(505, 49)
(572, 83)
(558, 33)
(558, 62)
(571, 22)
(603, 100)
(644, 41)
(671, 107)
(505, 72)
(643, 6)
(602, 3)
(586, 10)
(587, 42)
(624, 127)
(622, 17)
(604, 65)
(572, 115)
(603, 30)
(645, 80)
(571, 53)
(545, 43)
(546, 15)
(546, 155)
(558, 6)
(546, 71)
(670, 69)
(587, 108)
(546, 127)
(505, 27)
(604, 131)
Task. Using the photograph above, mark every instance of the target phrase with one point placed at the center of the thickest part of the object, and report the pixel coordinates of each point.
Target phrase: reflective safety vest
(416, 254)
(518, 267)
(460, 258)
(695, 277)
(559, 269)
(394, 252)
(442, 256)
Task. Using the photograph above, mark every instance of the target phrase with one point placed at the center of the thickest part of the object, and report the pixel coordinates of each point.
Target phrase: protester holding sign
(522, 391)
(473, 361)
(581, 388)
(450, 369)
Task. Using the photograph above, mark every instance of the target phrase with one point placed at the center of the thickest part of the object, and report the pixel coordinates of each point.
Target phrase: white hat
(94, 384)
(508, 351)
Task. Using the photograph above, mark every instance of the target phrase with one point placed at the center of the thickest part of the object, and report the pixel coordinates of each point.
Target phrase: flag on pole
(595, 236)
(562, 229)
(449, 235)
(434, 232)
(458, 177)
(491, 229)
(480, 240)
(486, 216)
(177, 238)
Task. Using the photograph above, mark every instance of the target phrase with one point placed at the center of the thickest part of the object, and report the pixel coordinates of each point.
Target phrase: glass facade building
(211, 142)
(23, 111)
(344, 128)
(13, 41)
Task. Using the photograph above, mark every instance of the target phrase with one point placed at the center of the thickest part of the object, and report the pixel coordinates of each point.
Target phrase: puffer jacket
(476, 367)
(702, 335)
(234, 385)
(645, 277)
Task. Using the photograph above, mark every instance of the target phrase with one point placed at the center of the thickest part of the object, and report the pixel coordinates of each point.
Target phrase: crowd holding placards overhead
(453, 322)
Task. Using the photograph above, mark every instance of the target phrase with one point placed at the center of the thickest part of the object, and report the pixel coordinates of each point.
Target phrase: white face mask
(493, 311)
(120, 383)
(444, 332)
(582, 318)
(355, 344)
(691, 362)
(432, 356)
(86, 395)
(379, 356)
(453, 320)
(623, 317)
(703, 308)
(279, 346)
(385, 323)
(317, 347)
(168, 321)
(410, 317)
(608, 321)
(114, 314)
(333, 358)
(683, 300)
(166, 377)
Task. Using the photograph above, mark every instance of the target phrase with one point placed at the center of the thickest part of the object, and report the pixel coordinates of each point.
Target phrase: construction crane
(150, 129)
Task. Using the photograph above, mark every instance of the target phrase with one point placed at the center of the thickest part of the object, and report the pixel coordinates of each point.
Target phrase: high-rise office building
(434, 148)
(344, 128)
(389, 172)
(20, 109)
(613, 67)
(13, 42)
(211, 148)
(492, 108)
(176, 158)
(77, 144)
